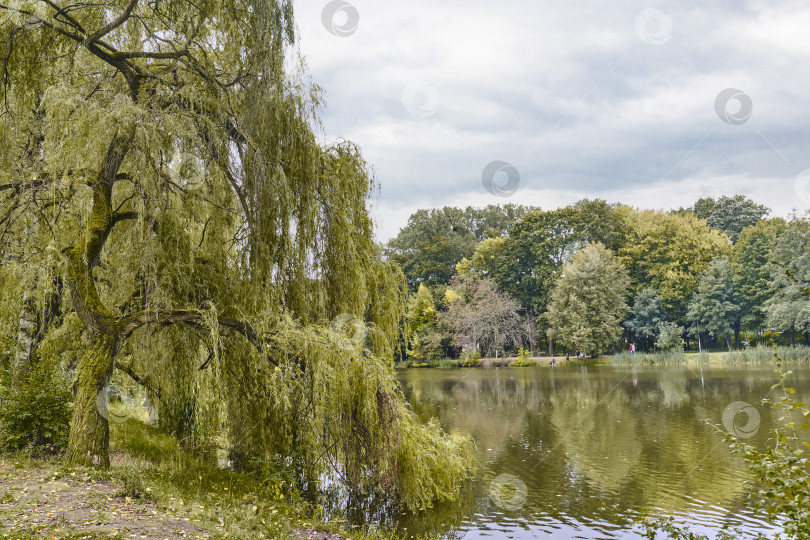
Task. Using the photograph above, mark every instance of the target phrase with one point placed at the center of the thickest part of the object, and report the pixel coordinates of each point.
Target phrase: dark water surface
(580, 452)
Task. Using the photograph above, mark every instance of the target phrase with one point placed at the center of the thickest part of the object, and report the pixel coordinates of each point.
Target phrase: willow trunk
(89, 442)
(89, 430)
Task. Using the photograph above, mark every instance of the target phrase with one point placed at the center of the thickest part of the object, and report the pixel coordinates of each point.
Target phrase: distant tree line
(594, 277)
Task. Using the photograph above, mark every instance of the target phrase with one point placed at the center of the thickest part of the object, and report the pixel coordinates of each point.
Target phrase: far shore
(756, 355)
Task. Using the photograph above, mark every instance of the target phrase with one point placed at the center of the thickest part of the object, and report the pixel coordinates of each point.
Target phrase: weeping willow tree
(164, 160)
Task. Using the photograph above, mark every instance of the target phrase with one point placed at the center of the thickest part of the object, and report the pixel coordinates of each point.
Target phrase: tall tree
(729, 214)
(431, 244)
(668, 252)
(712, 309)
(645, 317)
(493, 220)
(435, 240)
(588, 301)
(485, 260)
(424, 336)
(788, 309)
(751, 265)
(598, 221)
(169, 153)
(481, 317)
(532, 254)
(535, 248)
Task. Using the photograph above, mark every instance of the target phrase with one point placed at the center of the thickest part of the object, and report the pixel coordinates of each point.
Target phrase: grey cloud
(568, 94)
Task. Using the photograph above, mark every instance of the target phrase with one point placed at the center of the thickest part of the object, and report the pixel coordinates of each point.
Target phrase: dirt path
(43, 502)
(38, 502)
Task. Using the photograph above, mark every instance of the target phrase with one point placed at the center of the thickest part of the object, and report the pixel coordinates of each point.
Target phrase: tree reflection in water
(594, 446)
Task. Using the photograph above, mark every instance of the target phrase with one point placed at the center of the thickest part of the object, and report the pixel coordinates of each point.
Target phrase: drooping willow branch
(127, 325)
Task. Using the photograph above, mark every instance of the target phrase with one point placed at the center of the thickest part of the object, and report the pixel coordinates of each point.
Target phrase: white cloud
(570, 95)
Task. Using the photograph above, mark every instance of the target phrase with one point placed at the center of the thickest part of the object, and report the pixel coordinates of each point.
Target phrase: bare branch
(138, 379)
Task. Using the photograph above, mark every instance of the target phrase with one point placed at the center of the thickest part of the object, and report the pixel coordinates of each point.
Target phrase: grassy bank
(509, 361)
(152, 490)
(752, 356)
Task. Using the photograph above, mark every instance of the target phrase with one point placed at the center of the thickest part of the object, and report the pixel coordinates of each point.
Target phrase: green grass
(765, 355)
(754, 355)
(152, 467)
(148, 466)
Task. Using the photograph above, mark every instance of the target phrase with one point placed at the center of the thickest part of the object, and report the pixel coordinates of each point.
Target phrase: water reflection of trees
(594, 442)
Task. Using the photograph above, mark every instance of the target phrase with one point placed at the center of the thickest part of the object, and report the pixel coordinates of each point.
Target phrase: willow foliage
(165, 159)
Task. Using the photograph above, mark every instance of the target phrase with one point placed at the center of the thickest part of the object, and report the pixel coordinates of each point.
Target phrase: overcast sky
(618, 100)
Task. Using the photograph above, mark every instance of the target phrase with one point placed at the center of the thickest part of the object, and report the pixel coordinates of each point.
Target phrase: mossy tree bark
(89, 442)
(89, 430)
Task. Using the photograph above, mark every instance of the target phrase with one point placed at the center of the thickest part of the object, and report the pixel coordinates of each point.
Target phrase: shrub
(470, 359)
(669, 337)
(414, 364)
(782, 472)
(446, 363)
(38, 413)
(523, 359)
(426, 346)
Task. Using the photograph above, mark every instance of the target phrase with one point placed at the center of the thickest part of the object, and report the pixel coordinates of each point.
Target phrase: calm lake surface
(579, 452)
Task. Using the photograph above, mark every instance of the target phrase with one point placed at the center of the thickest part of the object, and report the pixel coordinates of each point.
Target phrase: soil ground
(45, 501)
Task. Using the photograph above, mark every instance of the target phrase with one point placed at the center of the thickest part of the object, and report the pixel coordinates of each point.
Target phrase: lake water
(576, 452)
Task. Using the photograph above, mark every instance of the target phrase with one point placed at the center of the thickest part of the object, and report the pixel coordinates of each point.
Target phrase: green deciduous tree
(486, 258)
(167, 155)
(421, 309)
(668, 252)
(645, 317)
(431, 244)
(752, 267)
(788, 309)
(434, 241)
(587, 303)
(598, 221)
(531, 256)
(669, 337)
(729, 214)
(712, 309)
(424, 335)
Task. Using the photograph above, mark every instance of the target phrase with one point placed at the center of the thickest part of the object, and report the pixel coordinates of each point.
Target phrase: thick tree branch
(84, 255)
(175, 55)
(122, 216)
(128, 325)
(121, 19)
